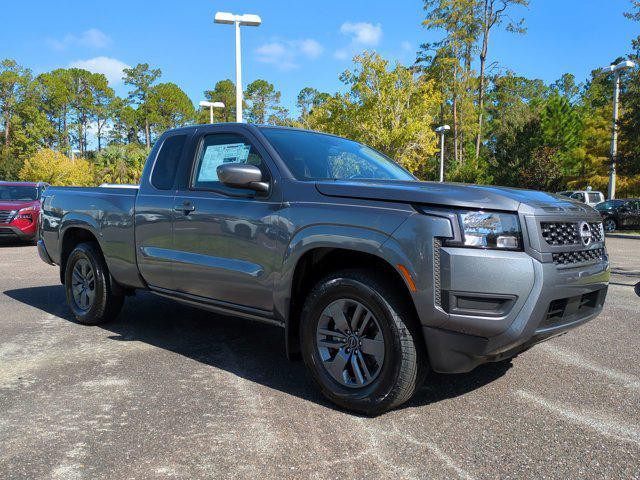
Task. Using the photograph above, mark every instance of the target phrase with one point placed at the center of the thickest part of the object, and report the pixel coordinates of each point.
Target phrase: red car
(20, 209)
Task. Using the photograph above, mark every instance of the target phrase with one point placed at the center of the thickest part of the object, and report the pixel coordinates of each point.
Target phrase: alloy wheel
(83, 284)
(350, 343)
(609, 225)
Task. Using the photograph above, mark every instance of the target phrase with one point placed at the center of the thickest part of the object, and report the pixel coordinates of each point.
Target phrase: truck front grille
(597, 232)
(568, 233)
(6, 215)
(569, 258)
(559, 233)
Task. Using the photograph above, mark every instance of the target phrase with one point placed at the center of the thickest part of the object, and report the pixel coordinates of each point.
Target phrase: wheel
(361, 343)
(88, 287)
(610, 224)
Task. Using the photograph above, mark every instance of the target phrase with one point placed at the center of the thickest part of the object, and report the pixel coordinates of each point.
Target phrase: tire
(389, 373)
(99, 305)
(610, 224)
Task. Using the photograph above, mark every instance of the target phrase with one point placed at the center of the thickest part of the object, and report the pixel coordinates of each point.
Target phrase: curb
(622, 235)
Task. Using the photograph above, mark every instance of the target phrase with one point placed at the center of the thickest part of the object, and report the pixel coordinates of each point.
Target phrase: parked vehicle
(20, 209)
(620, 213)
(590, 197)
(376, 278)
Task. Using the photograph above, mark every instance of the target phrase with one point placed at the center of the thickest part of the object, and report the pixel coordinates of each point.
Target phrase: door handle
(185, 208)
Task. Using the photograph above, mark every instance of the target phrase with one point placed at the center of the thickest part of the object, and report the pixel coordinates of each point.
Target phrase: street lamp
(615, 69)
(237, 20)
(442, 130)
(211, 106)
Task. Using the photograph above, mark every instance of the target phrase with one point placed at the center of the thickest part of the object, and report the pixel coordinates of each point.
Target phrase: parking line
(574, 359)
(594, 421)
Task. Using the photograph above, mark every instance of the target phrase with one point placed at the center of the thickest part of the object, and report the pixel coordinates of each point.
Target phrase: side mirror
(241, 175)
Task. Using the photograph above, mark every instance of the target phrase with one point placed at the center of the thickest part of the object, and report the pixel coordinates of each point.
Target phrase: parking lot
(172, 392)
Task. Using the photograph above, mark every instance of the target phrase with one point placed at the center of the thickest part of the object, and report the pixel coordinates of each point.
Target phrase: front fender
(360, 239)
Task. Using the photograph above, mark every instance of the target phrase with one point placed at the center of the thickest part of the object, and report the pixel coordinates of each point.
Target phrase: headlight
(488, 230)
(26, 213)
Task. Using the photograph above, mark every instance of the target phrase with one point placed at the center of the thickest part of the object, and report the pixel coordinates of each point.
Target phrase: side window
(578, 196)
(166, 166)
(219, 149)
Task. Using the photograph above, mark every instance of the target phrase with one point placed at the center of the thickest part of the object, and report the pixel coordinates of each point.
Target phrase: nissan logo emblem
(585, 233)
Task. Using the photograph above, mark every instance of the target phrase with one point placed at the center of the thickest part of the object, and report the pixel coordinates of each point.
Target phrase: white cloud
(363, 33)
(284, 55)
(92, 38)
(110, 67)
(309, 47)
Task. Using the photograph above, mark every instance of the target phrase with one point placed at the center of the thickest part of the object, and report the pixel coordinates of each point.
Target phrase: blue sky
(300, 43)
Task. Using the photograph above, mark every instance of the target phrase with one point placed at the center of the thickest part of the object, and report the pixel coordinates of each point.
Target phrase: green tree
(308, 99)
(169, 107)
(449, 61)
(389, 108)
(57, 99)
(125, 126)
(225, 92)
(103, 108)
(14, 82)
(494, 13)
(141, 78)
(263, 100)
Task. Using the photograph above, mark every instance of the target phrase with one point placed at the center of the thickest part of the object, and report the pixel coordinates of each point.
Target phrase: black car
(620, 213)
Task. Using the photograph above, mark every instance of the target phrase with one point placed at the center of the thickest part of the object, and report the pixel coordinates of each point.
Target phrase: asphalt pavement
(168, 391)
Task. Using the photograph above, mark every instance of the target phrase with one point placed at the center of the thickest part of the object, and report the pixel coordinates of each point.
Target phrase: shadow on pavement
(14, 242)
(250, 350)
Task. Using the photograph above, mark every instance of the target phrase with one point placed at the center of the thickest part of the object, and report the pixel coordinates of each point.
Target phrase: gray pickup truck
(375, 277)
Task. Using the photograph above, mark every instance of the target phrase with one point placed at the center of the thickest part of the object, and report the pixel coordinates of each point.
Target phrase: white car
(590, 197)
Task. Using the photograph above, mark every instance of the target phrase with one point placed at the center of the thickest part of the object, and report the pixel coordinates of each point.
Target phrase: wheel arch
(318, 262)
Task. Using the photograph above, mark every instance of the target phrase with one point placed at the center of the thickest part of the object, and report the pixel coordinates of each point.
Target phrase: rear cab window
(166, 167)
(595, 197)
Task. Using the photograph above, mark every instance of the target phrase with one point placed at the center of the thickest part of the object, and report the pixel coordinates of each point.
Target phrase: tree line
(506, 129)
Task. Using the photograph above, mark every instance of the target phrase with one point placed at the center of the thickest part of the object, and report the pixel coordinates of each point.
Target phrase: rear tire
(88, 287)
(390, 361)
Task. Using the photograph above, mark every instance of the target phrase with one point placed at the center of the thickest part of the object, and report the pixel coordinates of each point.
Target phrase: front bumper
(11, 231)
(517, 301)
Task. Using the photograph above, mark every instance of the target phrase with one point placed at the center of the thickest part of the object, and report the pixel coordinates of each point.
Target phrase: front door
(222, 237)
(627, 213)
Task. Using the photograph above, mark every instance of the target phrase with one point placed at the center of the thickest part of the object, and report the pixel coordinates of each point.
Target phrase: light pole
(211, 106)
(615, 69)
(442, 130)
(237, 20)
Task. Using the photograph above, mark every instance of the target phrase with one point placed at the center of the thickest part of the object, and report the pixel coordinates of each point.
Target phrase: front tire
(361, 343)
(610, 224)
(88, 286)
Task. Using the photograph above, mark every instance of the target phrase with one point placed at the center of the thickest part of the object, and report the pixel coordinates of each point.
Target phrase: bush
(56, 168)
(120, 164)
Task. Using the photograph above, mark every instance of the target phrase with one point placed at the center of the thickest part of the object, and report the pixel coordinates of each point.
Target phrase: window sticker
(216, 155)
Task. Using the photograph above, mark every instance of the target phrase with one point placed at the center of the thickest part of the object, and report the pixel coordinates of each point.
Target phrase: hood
(449, 194)
(17, 204)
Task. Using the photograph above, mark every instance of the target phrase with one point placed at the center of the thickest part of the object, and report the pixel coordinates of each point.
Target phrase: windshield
(18, 192)
(316, 156)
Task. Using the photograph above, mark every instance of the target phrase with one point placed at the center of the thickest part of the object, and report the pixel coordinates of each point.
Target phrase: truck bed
(107, 212)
